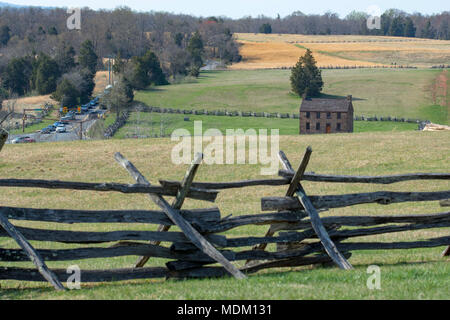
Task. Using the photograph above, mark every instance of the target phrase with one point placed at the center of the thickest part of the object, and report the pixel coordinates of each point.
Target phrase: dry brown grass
(101, 81)
(262, 51)
(266, 55)
(30, 102)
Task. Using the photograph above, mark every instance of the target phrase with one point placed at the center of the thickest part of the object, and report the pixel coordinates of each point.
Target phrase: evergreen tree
(87, 57)
(397, 27)
(386, 20)
(147, 70)
(265, 28)
(128, 89)
(196, 49)
(86, 86)
(47, 72)
(17, 75)
(410, 29)
(5, 35)
(153, 67)
(65, 58)
(66, 93)
(306, 78)
(178, 39)
(52, 31)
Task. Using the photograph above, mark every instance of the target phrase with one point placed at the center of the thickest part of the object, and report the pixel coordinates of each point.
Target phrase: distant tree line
(393, 23)
(181, 43)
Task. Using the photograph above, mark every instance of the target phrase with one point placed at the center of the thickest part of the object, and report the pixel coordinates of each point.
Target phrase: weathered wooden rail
(301, 235)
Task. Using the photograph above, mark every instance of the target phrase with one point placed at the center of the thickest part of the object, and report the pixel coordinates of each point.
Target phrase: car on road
(61, 129)
(68, 117)
(46, 130)
(57, 123)
(25, 139)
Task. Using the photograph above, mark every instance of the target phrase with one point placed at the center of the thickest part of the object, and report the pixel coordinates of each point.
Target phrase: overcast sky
(240, 8)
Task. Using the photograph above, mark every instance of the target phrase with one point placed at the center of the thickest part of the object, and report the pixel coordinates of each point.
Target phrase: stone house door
(328, 128)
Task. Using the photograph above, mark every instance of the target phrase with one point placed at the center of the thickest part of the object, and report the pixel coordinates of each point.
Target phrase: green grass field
(383, 92)
(405, 274)
(149, 124)
(46, 121)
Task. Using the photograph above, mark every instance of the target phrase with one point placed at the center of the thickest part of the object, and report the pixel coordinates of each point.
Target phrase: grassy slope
(383, 92)
(406, 274)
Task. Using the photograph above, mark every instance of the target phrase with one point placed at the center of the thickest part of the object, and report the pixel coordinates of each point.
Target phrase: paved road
(72, 131)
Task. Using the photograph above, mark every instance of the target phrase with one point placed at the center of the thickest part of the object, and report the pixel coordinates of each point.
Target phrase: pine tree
(16, 77)
(265, 28)
(66, 93)
(410, 29)
(306, 77)
(5, 35)
(195, 48)
(147, 70)
(87, 85)
(65, 57)
(47, 73)
(87, 57)
(397, 27)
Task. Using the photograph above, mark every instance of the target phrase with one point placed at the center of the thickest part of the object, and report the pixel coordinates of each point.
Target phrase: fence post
(292, 187)
(31, 253)
(445, 203)
(197, 239)
(321, 232)
(3, 138)
(179, 200)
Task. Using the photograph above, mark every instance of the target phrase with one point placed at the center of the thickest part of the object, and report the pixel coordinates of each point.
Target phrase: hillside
(101, 81)
(262, 51)
(383, 92)
(378, 153)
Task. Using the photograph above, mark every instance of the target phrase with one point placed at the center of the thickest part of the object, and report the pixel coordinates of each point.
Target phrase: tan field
(267, 55)
(262, 51)
(101, 81)
(29, 102)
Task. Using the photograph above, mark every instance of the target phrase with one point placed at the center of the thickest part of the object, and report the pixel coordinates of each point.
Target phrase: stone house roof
(326, 105)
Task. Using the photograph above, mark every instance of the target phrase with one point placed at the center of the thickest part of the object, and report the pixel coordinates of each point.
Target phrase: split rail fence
(301, 236)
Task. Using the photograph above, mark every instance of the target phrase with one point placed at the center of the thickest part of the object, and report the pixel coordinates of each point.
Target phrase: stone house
(318, 115)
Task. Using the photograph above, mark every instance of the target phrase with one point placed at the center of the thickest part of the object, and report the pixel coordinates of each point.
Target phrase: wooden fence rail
(301, 235)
